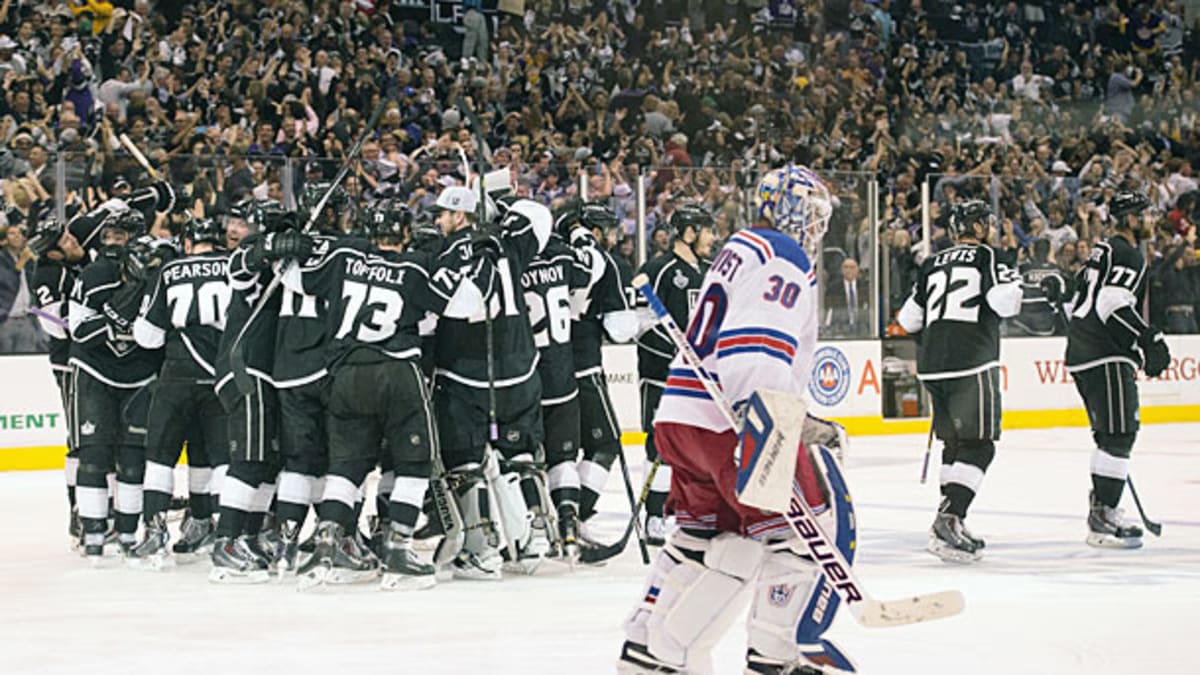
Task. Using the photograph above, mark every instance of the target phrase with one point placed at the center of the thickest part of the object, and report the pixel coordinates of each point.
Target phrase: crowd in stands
(1043, 108)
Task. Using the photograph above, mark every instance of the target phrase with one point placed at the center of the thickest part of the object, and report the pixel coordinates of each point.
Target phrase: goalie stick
(867, 610)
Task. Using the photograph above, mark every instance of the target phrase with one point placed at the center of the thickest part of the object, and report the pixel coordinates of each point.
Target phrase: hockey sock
(259, 507)
(338, 505)
(199, 503)
(238, 491)
(563, 479)
(383, 493)
(296, 492)
(656, 500)
(961, 479)
(131, 470)
(158, 488)
(71, 470)
(1110, 467)
(91, 492)
(404, 505)
(592, 477)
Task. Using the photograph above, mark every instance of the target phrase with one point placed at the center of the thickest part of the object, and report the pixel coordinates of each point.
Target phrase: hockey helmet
(45, 236)
(204, 231)
(1127, 202)
(598, 215)
(964, 217)
(425, 232)
(689, 216)
(567, 215)
(268, 215)
(315, 191)
(795, 200)
(131, 221)
(386, 221)
(137, 258)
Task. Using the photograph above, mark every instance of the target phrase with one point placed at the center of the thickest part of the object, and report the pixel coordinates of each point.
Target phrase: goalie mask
(795, 200)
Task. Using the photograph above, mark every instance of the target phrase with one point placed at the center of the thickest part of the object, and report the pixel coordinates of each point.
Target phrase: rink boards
(847, 384)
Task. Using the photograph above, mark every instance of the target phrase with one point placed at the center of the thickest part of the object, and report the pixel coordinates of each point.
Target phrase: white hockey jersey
(755, 327)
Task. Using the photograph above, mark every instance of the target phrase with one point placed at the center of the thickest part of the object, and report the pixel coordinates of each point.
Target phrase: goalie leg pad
(515, 516)
(473, 506)
(693, 595)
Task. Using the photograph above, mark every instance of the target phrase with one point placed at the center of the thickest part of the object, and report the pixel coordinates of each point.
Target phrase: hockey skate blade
(343, 577)
(153, 563)
(407, 582)
(931, 607)
(221, 575)
(1100, 540)
(950, 554)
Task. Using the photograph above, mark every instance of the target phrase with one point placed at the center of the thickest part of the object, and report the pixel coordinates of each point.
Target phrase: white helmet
(795, 200)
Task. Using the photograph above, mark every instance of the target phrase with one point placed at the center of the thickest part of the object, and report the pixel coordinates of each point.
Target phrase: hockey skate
(568, 533)
(196, 537)
(949, 541)
(477, 567)
(75, 530)
(635, 659)
(92, 548)
(289, 548)
(826, 659)
(1108, 528)
(656, 530)
(234, 563)
(336, 560)
(402, 570)
(532, 552)
(151, 553)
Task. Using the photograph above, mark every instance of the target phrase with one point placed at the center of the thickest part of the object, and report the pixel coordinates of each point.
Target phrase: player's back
(605, 295)
(1114, 272)
(187, 311)
(961, 332)
(754, 326)
(300, 332)
(547, 284)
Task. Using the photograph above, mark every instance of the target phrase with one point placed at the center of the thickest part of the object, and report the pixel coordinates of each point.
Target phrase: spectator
(19, 331)
(848, 304)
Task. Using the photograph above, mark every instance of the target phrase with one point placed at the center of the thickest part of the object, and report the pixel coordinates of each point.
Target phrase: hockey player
(755, 327)
(378, 402)
(957, 302)
(185, 313)
(487, 395)
(87, 228)
(111, 374)
(1040, 281)
(676, 278)
(599, 310)
(1106, 343)
(59, 260)
(250, 400)
(548, 283)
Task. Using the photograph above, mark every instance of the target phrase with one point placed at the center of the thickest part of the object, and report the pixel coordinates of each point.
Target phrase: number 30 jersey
(754, 327)
(956, 305)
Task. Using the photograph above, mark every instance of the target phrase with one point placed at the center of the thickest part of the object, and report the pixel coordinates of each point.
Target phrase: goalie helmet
(795, 200)
(1127, 202)
(204, 231)
(964, 217)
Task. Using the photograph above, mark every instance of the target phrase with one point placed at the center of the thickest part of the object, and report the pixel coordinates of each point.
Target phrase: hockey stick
(633, 507)
(928, 450)
(237, 361)
(1153, 527)
(598, 554)
(138, 156)
(758, 463)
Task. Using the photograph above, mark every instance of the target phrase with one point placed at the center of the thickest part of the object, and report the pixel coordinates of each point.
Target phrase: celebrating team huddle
(458, 351)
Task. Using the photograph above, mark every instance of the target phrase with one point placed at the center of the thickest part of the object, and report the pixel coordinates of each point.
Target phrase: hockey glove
(122, 308)
(287, 244)
(1156, 354)
(484, 245)
(1052, 288)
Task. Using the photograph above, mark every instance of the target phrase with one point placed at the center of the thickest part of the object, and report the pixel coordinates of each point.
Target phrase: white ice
(1041, 602)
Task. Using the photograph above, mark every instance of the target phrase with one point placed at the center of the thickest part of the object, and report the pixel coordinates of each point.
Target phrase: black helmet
(137, 258)
(567, 215)
(964, 216)
(1127, 202)
(314, 191)
(386, 220)
(132, 221)
(204, 231)
(46, 234)
(597, 215)
(689, 215)
(267, 215)
(425, 232)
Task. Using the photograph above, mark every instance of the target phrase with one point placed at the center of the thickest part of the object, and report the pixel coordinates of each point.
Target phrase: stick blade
(905, 611)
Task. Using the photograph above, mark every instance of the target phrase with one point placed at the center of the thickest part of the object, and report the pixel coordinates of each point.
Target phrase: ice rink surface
(1041, 601)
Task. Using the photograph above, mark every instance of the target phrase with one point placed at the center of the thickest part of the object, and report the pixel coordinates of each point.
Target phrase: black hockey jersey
(462, 348)
(606, 295)
(257, 344)
(957, 302)
(112, 358)
(52, 283)
(300, 338)
(186, 311)
(677, 283)
(374, 302)
(547, 283)
(1038, 315)
(1113, 277)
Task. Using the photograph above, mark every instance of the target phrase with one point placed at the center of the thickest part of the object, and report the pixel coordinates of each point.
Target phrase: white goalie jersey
(754, 326)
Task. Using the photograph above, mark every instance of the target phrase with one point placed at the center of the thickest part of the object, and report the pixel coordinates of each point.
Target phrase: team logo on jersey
(680, 280)
(415, 439)
(513, 436)
(87, 428)
(780, 594)
(830, 380)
